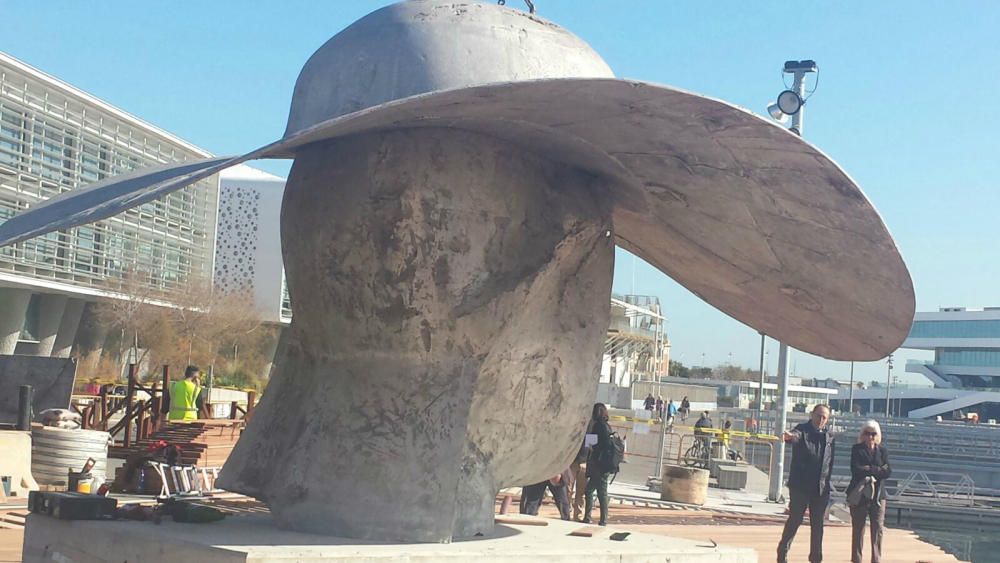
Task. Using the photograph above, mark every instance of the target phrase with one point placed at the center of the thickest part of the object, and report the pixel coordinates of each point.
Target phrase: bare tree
(199, 326)
(132, 315)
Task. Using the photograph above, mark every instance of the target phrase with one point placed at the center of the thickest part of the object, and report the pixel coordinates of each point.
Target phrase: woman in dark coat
(868, 459)
(597, 470)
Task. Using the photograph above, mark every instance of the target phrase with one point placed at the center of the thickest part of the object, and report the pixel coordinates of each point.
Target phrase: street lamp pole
(888, 386)
(850, 396)
(788, 103)
(760, 390)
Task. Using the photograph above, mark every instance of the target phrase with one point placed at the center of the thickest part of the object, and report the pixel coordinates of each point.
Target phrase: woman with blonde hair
(866, 493)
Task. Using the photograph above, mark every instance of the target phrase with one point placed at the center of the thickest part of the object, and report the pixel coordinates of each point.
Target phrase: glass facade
(53, 140)
(286, 300)
(976, 357)
(988, 328)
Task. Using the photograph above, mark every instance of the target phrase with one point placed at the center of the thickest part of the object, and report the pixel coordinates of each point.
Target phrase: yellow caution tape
(713, 431)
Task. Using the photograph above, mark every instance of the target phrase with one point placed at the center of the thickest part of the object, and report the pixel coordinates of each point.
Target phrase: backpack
(611, 456)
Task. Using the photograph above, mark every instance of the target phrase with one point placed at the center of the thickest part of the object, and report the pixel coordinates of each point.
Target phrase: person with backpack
(600, 464)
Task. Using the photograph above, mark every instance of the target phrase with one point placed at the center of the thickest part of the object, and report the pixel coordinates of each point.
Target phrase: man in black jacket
(808, 481)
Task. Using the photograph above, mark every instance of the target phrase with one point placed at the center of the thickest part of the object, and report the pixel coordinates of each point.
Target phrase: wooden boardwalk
(899, 546)
(762, 533)
(10, 545)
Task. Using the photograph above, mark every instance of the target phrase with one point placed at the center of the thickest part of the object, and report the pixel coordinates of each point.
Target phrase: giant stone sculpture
(462, 172)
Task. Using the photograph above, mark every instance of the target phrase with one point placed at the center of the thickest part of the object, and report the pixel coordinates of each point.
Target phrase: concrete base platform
(254, 538)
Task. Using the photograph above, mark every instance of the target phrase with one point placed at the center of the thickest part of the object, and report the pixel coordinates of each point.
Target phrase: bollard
(684, 484)
(251, 400)
(129, 397)
(24, 413)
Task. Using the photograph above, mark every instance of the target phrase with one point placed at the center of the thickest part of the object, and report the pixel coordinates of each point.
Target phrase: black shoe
(602, 523)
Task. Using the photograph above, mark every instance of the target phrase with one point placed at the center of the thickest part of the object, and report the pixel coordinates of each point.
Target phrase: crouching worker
(532, 495)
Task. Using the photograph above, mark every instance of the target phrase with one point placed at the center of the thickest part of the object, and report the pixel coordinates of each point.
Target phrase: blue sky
(908, 103)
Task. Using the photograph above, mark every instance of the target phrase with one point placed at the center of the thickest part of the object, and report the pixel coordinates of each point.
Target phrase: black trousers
(817, 505)
(875, 513)
(597, 482)
(532, 495)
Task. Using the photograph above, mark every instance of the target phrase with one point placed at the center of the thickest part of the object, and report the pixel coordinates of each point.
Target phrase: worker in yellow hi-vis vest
(184, 400)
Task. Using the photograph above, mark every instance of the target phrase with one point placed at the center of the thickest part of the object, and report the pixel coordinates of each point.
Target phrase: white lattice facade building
(55, 138)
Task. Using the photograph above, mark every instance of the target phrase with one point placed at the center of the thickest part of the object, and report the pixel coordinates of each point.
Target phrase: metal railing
(923, 487)
(139, 412)
(934, 486)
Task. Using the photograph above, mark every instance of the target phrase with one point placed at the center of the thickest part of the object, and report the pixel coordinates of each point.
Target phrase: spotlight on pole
(789, 102)
(776, 113)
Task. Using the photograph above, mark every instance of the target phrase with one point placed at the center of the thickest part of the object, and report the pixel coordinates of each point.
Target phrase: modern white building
(55, 138)
(965, 372)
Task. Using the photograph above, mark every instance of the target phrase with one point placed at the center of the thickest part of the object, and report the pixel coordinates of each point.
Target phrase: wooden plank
(520, 521)
(587, 532)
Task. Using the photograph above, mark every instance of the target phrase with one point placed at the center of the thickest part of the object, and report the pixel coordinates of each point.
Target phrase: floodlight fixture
(776, 114)
(789, 103)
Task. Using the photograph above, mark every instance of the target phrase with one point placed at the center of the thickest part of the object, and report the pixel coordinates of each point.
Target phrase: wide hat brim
(748, 216)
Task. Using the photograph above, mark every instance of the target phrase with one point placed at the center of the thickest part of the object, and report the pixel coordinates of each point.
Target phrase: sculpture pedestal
(255, 538)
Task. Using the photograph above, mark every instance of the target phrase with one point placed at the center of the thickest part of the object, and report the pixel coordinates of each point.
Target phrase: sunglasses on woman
(871, 433)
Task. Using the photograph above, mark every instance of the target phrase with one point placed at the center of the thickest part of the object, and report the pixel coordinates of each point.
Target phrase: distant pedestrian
(685, 408)
(659, 406)
(558, 485)
(597, 469)
(671, 415)
(808, 481)
(866, 493)
(649, 403)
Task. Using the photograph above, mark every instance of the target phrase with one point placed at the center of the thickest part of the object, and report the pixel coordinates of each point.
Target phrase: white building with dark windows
(964, 374)
(55, 138)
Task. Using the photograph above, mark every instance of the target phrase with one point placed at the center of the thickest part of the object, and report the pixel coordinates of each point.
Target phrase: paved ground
(748, 521)
(10, 545)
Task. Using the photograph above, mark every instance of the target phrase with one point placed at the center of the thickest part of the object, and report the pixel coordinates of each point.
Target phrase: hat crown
(424, 46)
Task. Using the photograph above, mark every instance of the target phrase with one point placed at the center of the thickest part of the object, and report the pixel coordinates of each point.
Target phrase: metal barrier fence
(924, 487)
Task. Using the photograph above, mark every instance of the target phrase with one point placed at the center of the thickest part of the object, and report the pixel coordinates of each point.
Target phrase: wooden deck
(762, 533)
(898, 546)
(10, 545)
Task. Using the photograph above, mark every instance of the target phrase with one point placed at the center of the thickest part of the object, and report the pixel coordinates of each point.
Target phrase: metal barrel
(54, 451)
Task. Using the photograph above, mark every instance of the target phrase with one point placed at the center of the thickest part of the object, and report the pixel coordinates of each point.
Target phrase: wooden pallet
(13, 519)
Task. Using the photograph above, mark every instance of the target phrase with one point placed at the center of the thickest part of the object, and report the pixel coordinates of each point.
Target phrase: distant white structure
(636, 348)
(248, 247)
(965, 372)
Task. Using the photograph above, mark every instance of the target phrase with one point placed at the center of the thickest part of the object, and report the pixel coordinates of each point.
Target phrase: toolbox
(71, 506)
